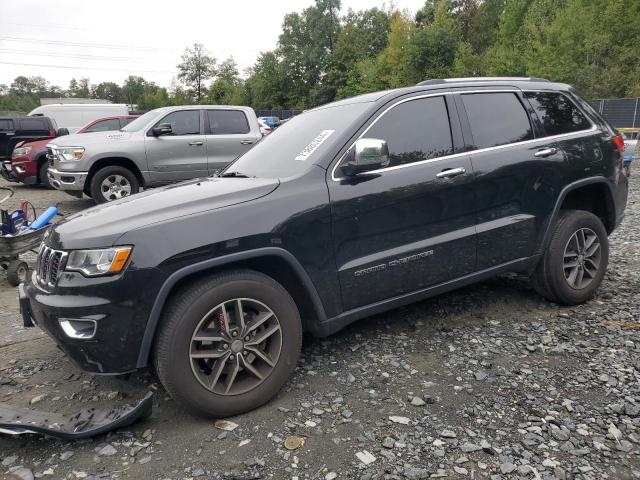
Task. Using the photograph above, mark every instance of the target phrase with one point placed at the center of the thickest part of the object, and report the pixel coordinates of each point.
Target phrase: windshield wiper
(233, 174)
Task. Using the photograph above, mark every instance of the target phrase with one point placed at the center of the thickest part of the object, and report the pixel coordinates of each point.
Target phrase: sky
(107, 41)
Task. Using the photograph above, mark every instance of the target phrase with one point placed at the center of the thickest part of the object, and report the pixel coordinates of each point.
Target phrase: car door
(228, 136)
(410, 225)
(181, 154)
(517, 174)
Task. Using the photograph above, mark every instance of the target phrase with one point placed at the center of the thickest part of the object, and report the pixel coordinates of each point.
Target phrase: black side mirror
(162, 129)
(367, 154)
(62, 132)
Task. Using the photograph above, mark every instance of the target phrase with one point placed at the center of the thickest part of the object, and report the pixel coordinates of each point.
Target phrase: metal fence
(619, 112)
(281, 114)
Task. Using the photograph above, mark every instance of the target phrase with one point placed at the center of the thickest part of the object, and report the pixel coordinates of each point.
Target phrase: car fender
(563, 194)
(175, 277)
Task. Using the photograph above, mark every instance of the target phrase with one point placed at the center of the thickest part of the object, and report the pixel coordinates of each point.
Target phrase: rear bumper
(67, 180)
(99, 322)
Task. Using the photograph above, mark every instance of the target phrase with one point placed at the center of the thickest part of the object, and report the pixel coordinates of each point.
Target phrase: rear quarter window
(557, 113)
(34, 124)
(496, 119)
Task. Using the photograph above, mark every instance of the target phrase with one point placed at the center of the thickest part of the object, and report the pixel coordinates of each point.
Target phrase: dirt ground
(490, 381)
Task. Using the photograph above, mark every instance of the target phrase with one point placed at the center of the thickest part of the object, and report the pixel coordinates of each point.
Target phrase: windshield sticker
(313, 146)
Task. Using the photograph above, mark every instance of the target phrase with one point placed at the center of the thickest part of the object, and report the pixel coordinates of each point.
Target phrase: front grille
(49, 264)
(50, 157)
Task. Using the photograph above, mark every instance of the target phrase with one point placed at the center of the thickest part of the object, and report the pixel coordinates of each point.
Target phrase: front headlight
(20, 151)
(70, 153)
(103, 261)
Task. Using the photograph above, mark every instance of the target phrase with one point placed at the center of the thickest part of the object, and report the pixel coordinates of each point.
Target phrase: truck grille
(50, 157)
(49, 264)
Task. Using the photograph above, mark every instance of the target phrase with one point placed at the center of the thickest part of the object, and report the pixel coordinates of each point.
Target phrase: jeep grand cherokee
(349, 209)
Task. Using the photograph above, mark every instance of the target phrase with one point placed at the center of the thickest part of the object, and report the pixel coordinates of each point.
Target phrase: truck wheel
(112, 183)
(42, 175)
(227, 343)
(576, 259)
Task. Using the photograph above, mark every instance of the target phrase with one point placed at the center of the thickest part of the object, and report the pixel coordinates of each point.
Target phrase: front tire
(576, 259)
(218, 362)
(113, 183)
(42, 175)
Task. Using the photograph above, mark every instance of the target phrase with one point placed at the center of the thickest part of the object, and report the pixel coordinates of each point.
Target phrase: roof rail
(439, 81)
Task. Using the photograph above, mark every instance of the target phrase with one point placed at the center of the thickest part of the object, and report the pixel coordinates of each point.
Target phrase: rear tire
(112, 183)
(17, 272)
(224, 383)
(42, 175)
(576, 259)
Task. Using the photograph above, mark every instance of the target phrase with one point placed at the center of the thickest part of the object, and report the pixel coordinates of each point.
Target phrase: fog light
(80, 328)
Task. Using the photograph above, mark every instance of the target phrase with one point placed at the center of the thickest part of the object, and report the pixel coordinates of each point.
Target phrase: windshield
(299, 143)
(140, 122)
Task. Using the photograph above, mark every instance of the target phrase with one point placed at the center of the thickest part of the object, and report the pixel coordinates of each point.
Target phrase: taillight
(52, 133)
(619, 142)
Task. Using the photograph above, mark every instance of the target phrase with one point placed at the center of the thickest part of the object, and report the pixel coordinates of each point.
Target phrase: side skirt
(335, 324)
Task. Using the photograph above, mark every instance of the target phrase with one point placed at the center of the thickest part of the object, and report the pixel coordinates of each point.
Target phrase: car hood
(92, 138)
(102, 225)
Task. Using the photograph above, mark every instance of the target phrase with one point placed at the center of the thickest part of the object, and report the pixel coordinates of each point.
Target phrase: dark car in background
(347, 210)
(15, 130)
(29, 158)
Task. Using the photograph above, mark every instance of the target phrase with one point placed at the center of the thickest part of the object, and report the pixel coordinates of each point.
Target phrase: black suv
(14, 130)
(349, 209)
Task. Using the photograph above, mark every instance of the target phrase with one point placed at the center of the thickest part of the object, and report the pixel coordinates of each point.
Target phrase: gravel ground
(489, 381)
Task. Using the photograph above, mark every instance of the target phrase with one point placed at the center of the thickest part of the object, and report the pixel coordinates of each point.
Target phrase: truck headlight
(70, 153)
(103, 261)
(20, 152)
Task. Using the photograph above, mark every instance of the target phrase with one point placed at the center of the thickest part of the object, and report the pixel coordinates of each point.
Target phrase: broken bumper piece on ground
(88, 422)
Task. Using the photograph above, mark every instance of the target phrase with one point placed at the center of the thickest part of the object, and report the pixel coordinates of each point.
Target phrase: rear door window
(557, 113)
(415, 130)
(104, 126)
(34, 124)
(497, 119)
(227, 122)
(183, 122)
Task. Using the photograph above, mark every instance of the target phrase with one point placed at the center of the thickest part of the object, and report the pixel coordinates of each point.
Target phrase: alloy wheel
(235, 346)
(114, 187)
(582, 255)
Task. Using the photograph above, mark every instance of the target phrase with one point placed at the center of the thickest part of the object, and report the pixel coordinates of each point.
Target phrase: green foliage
(196, 67)
(321, 56)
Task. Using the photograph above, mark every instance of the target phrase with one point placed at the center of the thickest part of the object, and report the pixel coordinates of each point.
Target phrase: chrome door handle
(451, 172)
(546, 152)
(246, 142)
(196, 144)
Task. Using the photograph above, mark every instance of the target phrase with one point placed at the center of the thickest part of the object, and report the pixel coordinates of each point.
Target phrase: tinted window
(33, 124)
(497, 119)
(126, 121)
(415, 130)
(183, 122)
(275, 155)
(104, 126)
(6, 124)
(227, 122)
(557, 113)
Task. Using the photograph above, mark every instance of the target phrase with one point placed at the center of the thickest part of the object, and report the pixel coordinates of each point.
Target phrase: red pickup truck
(29, 159)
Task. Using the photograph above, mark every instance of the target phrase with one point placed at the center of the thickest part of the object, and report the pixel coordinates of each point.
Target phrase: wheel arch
(113, 161)
(584, 195)
(275, 262)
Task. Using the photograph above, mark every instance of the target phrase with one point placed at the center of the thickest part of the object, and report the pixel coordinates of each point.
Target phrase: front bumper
(5, 171)
(61, 180)
(116, 308)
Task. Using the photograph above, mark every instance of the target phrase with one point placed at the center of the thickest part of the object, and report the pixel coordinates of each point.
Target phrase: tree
(80, 88)
(393, 61)
(196, 68)
(109, 91)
